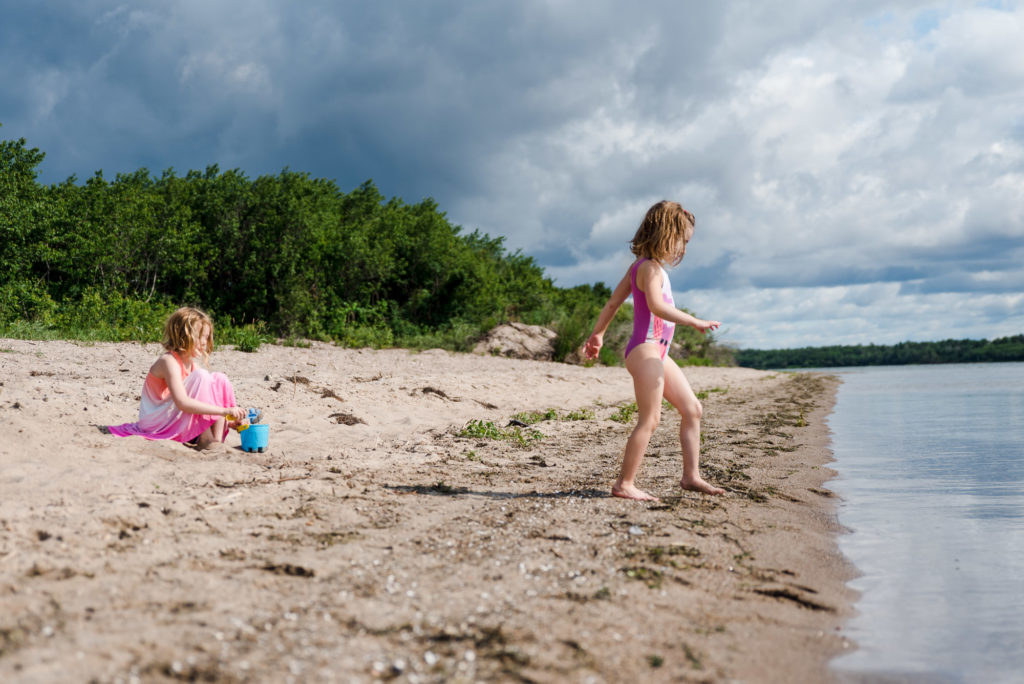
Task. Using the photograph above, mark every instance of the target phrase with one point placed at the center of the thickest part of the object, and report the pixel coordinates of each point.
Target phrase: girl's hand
(705, 326)
(593, 346)
(236, 414)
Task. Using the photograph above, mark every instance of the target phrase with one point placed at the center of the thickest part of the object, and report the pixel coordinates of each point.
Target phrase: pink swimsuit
(646, 326)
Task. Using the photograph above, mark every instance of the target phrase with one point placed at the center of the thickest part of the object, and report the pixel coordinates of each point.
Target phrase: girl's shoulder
(648, 272)
(167, 364)
(159, 367)
(646, 267)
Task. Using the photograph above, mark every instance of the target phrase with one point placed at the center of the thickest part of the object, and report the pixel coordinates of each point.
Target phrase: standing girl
(661, 239)
(181, 400)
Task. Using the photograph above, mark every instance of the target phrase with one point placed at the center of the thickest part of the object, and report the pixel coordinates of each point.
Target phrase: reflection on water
(931, 472)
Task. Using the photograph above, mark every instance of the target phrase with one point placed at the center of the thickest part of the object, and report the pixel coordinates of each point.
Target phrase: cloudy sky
(856, 168)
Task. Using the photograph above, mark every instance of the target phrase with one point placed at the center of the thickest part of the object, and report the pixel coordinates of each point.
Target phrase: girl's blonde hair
(664, 227)
(183, 330)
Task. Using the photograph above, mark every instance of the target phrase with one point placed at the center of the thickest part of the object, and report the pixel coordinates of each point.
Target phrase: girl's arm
(648, 279)
(596, 340)
(166, 368)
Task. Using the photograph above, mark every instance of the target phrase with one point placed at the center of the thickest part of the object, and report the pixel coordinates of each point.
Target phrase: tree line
(279, 256)
(946, 351)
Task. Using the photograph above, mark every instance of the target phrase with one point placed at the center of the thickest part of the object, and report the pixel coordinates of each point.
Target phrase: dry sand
(393, 547)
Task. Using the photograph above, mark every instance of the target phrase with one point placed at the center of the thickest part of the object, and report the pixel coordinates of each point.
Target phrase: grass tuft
(488, 430)
(625, 413)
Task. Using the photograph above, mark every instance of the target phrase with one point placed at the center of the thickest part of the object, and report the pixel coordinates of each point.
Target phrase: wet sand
(377, 540)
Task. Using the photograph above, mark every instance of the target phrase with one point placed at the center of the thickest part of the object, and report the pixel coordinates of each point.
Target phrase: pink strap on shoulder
(636, 268)
(181, 364)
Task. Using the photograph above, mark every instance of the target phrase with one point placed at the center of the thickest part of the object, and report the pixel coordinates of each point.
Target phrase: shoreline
(372, 541)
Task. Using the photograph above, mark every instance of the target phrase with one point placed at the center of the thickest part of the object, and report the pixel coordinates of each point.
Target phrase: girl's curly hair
(663, 228)
(183, 329)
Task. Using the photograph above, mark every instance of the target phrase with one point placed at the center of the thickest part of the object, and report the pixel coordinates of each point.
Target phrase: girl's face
(202, 344)
(204, 339)
(680, 251)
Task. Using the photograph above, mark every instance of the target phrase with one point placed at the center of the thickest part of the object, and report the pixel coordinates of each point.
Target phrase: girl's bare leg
(680, 394)
(644, 364)
(206, 439)
(219, 429)
(212, 435)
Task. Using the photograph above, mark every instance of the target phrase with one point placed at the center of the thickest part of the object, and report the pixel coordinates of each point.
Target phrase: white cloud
(46, 90)
(876, 313)
(856, 169)
(218, 71)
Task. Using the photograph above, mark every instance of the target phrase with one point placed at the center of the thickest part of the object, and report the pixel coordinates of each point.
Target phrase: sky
(856, 168)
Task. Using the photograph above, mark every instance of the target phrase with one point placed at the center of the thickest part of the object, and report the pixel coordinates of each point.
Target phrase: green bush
(245, 338)
(292, 256)
(26, 301)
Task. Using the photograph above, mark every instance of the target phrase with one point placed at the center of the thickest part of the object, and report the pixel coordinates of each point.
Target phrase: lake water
(931, 473)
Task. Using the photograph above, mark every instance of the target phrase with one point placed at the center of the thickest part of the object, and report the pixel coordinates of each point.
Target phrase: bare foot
(699, 485)
(208, 442)
(213, 450)
(633, 493)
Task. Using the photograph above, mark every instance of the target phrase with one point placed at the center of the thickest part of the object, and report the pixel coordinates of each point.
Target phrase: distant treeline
(947, 351)
(282, 256)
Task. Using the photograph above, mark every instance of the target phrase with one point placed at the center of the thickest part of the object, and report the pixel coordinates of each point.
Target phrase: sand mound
(519, 341)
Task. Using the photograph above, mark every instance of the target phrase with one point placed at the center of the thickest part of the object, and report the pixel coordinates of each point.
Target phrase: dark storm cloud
(410, 93)
(870, 147)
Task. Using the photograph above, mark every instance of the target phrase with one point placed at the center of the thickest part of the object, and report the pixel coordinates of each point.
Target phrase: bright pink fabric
(159, 418)
(646, 326)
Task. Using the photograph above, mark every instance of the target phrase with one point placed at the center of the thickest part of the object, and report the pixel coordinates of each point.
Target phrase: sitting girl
(180, 399)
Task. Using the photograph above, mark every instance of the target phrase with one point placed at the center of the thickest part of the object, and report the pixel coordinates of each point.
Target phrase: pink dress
(159, 418)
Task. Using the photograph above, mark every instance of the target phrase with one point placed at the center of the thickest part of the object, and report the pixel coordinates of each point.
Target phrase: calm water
(931, 472)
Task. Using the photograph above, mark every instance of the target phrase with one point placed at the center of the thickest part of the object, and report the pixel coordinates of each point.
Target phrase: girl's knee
(692, 410)
(648, 424)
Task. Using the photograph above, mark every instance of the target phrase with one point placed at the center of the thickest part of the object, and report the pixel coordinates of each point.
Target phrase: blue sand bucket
(254, 437)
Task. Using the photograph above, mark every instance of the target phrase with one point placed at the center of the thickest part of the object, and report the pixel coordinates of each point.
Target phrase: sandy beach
(376, 540)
